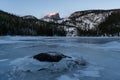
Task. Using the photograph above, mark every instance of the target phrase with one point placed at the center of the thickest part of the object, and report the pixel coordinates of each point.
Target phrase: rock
(50, 61)
(49, 57)
(53, 15)
(57, 61)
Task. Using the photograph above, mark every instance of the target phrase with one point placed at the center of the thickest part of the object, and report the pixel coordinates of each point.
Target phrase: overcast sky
(39, 8)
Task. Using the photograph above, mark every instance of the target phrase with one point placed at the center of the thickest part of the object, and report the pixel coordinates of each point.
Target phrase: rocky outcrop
(50, 61)
(53, 16)
(58, 57)
(49, 57)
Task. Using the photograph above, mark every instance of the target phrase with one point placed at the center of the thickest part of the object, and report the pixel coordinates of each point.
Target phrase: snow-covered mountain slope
(86, 20)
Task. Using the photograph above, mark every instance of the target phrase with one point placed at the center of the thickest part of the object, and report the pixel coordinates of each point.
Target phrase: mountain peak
(52, 15)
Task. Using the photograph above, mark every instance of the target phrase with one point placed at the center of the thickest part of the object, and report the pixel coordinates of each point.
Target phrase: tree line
(14, 25)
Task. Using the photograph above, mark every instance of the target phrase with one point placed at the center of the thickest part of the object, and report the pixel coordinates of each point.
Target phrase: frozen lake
(102, 55)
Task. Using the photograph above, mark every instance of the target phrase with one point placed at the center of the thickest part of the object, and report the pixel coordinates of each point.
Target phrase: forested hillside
(14, 25)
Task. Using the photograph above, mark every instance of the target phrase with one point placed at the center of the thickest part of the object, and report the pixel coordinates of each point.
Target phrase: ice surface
(7, 42)
(30, 64)
(65, 77)
(91, 73)
(112, 46)
(2, 60)
(102, 54)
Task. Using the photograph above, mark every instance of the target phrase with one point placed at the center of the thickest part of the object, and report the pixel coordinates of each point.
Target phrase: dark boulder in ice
(53, 61)
(50, 57)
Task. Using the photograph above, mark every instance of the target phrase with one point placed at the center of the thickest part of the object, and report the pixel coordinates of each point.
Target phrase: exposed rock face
(51, 17)
(48, 57)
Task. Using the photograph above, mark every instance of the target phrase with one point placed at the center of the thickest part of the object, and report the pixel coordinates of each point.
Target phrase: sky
(40, 8)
